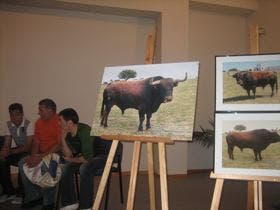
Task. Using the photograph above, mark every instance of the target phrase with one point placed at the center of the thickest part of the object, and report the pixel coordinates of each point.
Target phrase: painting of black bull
(250, 80)
(257, 140)
(144, 95)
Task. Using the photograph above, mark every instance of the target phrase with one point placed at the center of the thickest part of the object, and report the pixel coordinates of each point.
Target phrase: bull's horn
(231, 73)
(182, 80)
(156, 82)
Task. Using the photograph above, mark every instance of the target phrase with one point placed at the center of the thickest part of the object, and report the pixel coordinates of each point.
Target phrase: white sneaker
(17, 201)
(4, 198)
(70, 207)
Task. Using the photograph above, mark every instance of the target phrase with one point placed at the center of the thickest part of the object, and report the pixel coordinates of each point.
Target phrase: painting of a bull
(257, 135)
(250, 80)
(247, 82)
(257, 140)
(144, 95)
(157, 100)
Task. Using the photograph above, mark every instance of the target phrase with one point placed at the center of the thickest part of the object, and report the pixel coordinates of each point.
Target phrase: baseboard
(145, 172)
(198, 171)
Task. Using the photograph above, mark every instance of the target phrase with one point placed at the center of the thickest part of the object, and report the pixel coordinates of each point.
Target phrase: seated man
(21, 131)
(47, 136)
(78, 153)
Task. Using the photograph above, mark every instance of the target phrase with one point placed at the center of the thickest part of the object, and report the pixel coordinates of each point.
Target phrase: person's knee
(85, 170)
(67, 170)
(21, 163)
(2, 163)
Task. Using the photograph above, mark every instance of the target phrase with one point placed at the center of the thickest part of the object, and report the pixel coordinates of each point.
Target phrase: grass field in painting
(173, 119)
(233, 93)
(246, 159)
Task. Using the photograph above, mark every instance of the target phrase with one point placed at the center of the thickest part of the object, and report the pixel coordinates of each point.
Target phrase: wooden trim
(199, 171)
(153, 139)
(245, 177)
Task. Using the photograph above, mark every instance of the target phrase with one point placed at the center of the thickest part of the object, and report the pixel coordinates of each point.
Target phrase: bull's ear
(175, 84)
(244, 75)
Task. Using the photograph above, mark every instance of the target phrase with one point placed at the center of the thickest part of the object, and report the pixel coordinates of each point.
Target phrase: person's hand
(33, 160)
(4, 153)
(64, 133)
(69, 159)
(79, 159)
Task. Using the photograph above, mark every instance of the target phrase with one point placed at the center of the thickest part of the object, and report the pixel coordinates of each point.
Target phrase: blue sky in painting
(249, 65)
(172, 70)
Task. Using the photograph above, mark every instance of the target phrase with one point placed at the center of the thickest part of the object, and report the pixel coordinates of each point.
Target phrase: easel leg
(217, 194)
(258, 195)
(151, 174)
(250, 195)
(105, 175)
(133, 175)
(163, 178)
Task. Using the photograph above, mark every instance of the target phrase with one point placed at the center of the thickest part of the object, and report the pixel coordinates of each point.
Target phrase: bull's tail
(103, 105)
(102, 109)
(276, 84)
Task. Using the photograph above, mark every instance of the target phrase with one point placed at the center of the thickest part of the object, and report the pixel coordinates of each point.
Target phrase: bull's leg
(148, 123)
(256, 155)
(104, 120)
(272, 89)
(248, 92)
(230, 152)
(254, 92)
(260, 155)
(141, 120)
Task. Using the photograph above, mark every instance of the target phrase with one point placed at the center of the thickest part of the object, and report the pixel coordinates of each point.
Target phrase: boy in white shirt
(21, 131)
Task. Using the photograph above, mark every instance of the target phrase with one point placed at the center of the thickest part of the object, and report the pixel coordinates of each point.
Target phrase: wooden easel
(161, 141)
(254, 49)
(254, 188)
(257, 186)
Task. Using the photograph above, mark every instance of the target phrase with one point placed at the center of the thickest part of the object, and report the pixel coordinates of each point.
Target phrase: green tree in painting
(240, 127)
(127, 74)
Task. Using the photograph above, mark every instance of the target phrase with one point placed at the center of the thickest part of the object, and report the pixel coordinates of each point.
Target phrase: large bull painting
(248, 83)
(248, 144)
(150, 100)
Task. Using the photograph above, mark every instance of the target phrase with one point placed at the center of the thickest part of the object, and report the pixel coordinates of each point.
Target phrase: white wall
(97, 40)
(267, 18)
(211, 33)
(62, 54)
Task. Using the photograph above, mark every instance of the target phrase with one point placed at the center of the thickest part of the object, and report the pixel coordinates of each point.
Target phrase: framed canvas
(247, 144)
(247, 83)
(147, 100)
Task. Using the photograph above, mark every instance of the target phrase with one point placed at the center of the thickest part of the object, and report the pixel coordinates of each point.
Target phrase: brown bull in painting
(257, 140)
(250, 80)
(145, 95)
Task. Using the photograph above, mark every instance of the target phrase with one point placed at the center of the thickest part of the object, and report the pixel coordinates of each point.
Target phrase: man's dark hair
(69, 114)
(49, 103)
(16, 106)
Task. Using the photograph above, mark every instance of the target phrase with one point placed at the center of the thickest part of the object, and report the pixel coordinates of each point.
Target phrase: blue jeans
(5, 174)
(86, 170)
(33, 191)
